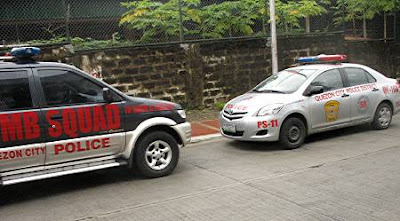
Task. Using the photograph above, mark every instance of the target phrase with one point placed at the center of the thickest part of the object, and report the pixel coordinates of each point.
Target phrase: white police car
(57, 120)
(312, 98)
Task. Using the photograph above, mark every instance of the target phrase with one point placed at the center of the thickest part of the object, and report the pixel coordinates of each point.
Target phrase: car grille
(236, 134)
(234, 116)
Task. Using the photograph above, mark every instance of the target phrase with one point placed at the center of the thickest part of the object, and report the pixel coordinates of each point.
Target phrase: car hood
(252, 102)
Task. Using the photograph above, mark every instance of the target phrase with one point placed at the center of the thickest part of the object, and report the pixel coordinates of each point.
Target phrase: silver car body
(330, 110)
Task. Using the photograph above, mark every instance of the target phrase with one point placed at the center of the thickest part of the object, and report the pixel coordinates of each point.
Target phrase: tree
(156, 19)
(290, 12)
(230, 17)
(357, 10)
(387, 6)
(308, 8)
(287, 15)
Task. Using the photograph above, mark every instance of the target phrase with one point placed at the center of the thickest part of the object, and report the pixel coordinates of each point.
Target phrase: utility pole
(274, 49)
(181, 34)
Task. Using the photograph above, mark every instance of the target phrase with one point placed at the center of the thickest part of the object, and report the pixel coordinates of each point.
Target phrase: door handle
(375, 89)
(346, 95)
(56, 117)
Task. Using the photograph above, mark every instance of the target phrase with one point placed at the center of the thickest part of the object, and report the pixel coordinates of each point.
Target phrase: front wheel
(383, 117)
(292, 134)
(156, 154)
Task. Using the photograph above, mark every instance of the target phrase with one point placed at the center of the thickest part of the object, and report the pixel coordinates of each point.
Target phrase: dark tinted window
(370, 78)
(330, 80)
(14, 90)
(357, 76)
(62, 87)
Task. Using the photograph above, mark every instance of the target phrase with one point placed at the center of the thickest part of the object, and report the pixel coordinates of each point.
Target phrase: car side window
(370, 78)
(14, 91)
(64, 87)
(329, 80)
(358, 76)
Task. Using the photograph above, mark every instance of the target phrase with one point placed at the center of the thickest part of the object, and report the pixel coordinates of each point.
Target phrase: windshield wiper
(268, 91)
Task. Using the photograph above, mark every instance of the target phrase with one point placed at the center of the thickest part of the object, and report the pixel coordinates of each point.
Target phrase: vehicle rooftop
(15, 64)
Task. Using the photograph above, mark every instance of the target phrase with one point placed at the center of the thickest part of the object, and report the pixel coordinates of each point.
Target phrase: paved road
(352, 174)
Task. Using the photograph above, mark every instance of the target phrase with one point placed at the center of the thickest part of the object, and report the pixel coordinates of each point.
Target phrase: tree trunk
(384, 26)
(308, 24)
(364, 27)
(286, 27)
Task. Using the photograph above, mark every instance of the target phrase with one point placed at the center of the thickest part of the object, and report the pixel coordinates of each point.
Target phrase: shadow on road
(65, 184)
(274, 146)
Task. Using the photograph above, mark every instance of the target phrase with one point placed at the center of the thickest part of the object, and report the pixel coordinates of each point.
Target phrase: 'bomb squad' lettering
(70, 122)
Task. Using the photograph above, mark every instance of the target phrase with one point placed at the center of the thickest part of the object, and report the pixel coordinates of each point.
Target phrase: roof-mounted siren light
(323, 58)
(25, 52)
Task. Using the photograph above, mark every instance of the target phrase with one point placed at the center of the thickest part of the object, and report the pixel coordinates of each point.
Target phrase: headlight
(182, 113)
(270, 109)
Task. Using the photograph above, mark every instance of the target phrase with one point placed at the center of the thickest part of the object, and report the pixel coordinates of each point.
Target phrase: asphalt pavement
(348, 174)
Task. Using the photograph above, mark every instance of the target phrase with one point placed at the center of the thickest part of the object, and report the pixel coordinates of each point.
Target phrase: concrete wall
(201, 74)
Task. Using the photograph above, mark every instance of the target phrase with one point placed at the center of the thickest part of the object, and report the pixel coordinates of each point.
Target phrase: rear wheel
(156, 154)
(292, 134)
(383, 117)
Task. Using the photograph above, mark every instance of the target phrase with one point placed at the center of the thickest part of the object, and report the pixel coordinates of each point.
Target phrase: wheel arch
(146, 127)
(389, 102)
(297, 115)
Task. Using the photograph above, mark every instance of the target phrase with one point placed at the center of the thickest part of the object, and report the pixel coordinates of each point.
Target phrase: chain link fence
(107, 23)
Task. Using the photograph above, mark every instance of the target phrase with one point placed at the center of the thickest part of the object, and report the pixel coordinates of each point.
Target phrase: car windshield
(284, 82)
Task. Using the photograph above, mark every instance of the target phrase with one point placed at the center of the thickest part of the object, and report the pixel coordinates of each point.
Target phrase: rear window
(358, 76)
(14, 91)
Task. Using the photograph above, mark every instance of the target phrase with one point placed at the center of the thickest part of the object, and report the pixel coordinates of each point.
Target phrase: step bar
(50, 173)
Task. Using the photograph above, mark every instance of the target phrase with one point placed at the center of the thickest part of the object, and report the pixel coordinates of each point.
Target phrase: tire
(156, 154)
(292, 133)
(383, 117)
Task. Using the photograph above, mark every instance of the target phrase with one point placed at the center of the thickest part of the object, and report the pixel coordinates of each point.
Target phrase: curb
(198, 139)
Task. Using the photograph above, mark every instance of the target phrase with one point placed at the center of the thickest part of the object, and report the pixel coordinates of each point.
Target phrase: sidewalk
(205, 130)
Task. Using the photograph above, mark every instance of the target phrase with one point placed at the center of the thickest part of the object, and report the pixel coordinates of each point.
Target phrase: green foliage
(156, 18)
(359, 9)
(289, 12)
(82, 44)
(220, 105)
(229, 18)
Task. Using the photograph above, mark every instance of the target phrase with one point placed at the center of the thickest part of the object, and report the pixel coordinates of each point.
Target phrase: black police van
(57, 120)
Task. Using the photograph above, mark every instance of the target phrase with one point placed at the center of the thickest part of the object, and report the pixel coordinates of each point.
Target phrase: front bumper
(185, 132)
(252, 128)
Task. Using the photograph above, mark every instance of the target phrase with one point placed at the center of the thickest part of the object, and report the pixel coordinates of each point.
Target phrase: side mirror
(312, 90)
(107, 95)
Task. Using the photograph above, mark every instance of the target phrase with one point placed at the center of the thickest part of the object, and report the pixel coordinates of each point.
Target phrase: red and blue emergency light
(323, 58)
(24, 52)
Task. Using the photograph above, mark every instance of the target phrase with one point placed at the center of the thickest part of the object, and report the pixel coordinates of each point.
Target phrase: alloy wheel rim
(384, 116)
(158, 155)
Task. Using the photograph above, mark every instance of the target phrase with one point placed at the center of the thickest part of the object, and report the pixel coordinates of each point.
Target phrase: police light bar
(24, 52)
(322, 58)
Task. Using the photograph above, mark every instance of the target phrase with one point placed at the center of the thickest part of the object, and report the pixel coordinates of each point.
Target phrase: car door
(21, 141)
(364, 93)
(333, 106)
(79, 123)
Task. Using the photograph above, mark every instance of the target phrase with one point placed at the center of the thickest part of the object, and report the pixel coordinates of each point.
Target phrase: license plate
(229, 128)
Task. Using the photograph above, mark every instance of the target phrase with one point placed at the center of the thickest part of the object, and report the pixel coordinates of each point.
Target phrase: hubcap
(294, 133)
(384, 116)
(158, 155)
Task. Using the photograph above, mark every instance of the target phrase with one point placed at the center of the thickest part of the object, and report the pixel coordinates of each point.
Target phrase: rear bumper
(185, 132)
